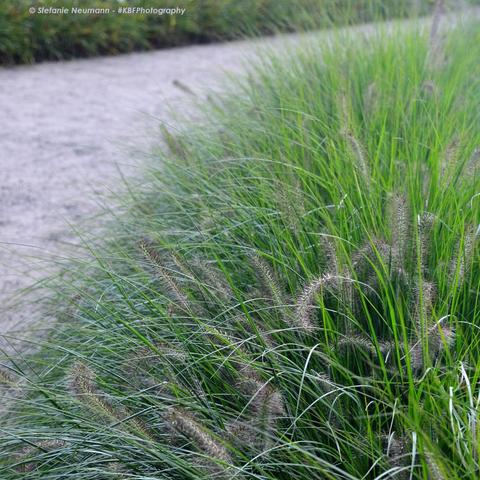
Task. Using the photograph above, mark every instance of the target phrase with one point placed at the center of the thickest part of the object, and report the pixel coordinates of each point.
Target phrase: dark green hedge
(27, 38)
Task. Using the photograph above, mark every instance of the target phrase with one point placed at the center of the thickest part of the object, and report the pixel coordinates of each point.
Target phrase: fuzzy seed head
(369, 253)
(396, 447)
(166, 278)
(84, 388)
(472, 166)
(173, 143)
(416, 356)
(468, 247)
(364, 343)
(330, 255)
(400, 226)
(325, 382)
(184, 423)
(41, 446)
(425, 295)
(305, 307)
(268, 280)
(370, 99)
(450, 160)
(448, 334)
(396, 450)
(82, 380)
(430, 88)
(275, 404)
(7, 379)
(435, 473)
(440, 338)
(242, 433)
(425, 225)
(360, 155)
(214, 278)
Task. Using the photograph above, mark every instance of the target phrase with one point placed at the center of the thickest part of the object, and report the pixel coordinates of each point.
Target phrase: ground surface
(66, 127)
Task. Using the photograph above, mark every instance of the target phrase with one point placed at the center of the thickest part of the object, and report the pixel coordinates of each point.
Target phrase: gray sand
(66, 128)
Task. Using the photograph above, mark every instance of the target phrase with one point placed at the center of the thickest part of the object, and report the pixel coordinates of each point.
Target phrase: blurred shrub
(26, 38)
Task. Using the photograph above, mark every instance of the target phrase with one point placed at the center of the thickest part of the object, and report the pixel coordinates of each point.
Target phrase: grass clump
(292, 292)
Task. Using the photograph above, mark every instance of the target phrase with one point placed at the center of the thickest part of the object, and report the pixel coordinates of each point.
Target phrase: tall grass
(291, 293)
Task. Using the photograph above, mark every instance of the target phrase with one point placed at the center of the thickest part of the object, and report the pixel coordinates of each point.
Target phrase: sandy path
(65, 126)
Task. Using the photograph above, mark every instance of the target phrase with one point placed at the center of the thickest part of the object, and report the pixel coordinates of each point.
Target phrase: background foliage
(26, 38)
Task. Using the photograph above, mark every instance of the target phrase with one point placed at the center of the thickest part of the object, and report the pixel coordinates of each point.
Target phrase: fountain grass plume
(184, 423)
(304, 313)
(169, 282)
(268, 280)
(7, 379)
(83, 386)
(29, 457)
